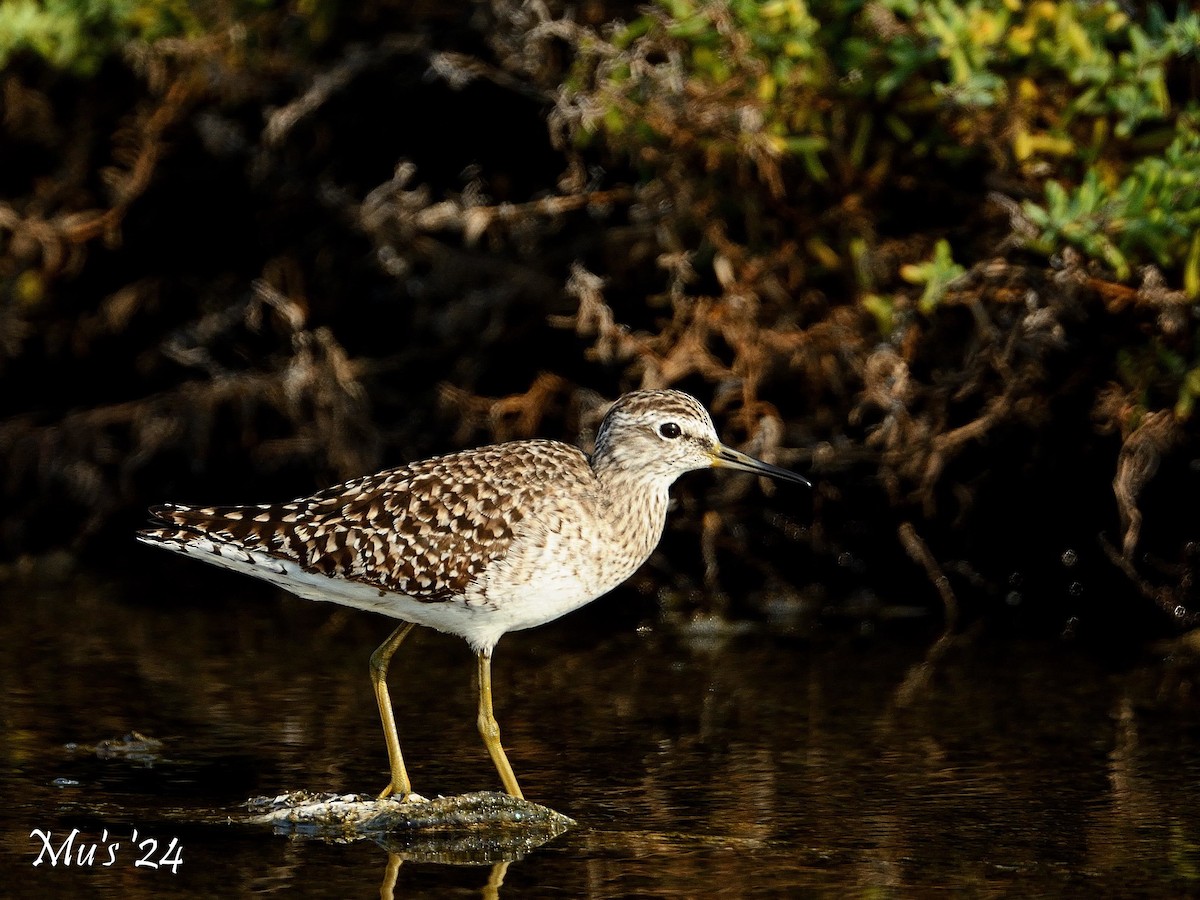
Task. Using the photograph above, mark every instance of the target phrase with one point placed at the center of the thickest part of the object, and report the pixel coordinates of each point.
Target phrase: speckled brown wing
(425, 530)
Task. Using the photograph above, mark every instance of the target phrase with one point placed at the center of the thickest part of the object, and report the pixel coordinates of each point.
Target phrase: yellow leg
(399, 785)
(491, 890)
(489, 730)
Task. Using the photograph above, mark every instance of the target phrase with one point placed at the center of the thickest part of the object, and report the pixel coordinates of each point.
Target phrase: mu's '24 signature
(74, 850)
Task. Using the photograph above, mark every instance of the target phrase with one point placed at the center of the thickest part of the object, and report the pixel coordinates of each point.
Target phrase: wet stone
(352, 815)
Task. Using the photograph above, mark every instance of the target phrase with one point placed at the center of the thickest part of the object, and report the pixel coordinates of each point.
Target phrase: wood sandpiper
(476, 543)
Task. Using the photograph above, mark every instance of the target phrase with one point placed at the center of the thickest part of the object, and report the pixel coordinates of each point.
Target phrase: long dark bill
(728, 458)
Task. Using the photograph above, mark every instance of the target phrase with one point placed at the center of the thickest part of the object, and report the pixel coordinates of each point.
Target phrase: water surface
(754, 765)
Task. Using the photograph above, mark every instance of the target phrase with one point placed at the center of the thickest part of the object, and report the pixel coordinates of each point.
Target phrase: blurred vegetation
(944, 253)
(77, 35)
(1068, 105)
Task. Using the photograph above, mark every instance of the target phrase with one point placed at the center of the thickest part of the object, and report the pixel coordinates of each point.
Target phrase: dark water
(759, 765)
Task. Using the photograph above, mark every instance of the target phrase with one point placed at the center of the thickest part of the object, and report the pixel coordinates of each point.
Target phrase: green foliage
(744, 60)
(936, 274)
(1189, 392)
(1072, 98)
(1154, 372)
(1101, 64)
(883, 310)
(799, 118)
(1151, 214)
(78, 34)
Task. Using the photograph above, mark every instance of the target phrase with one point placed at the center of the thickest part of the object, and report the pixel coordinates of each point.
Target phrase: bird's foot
(401, 795)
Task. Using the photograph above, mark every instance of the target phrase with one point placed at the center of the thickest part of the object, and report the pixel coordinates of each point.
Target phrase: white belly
(480, 616)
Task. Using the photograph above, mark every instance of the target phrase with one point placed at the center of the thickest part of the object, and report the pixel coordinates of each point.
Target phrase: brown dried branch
(594, 319)
(1166, 599)
(56, 243)
(505, 418)
(1141, 452)
(333, 80)
(918, 551)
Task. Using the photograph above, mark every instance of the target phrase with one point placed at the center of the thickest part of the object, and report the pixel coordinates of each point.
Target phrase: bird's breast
(571, 553)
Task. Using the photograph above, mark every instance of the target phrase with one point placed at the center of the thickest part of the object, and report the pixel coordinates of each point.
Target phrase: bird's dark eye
(670, 430)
